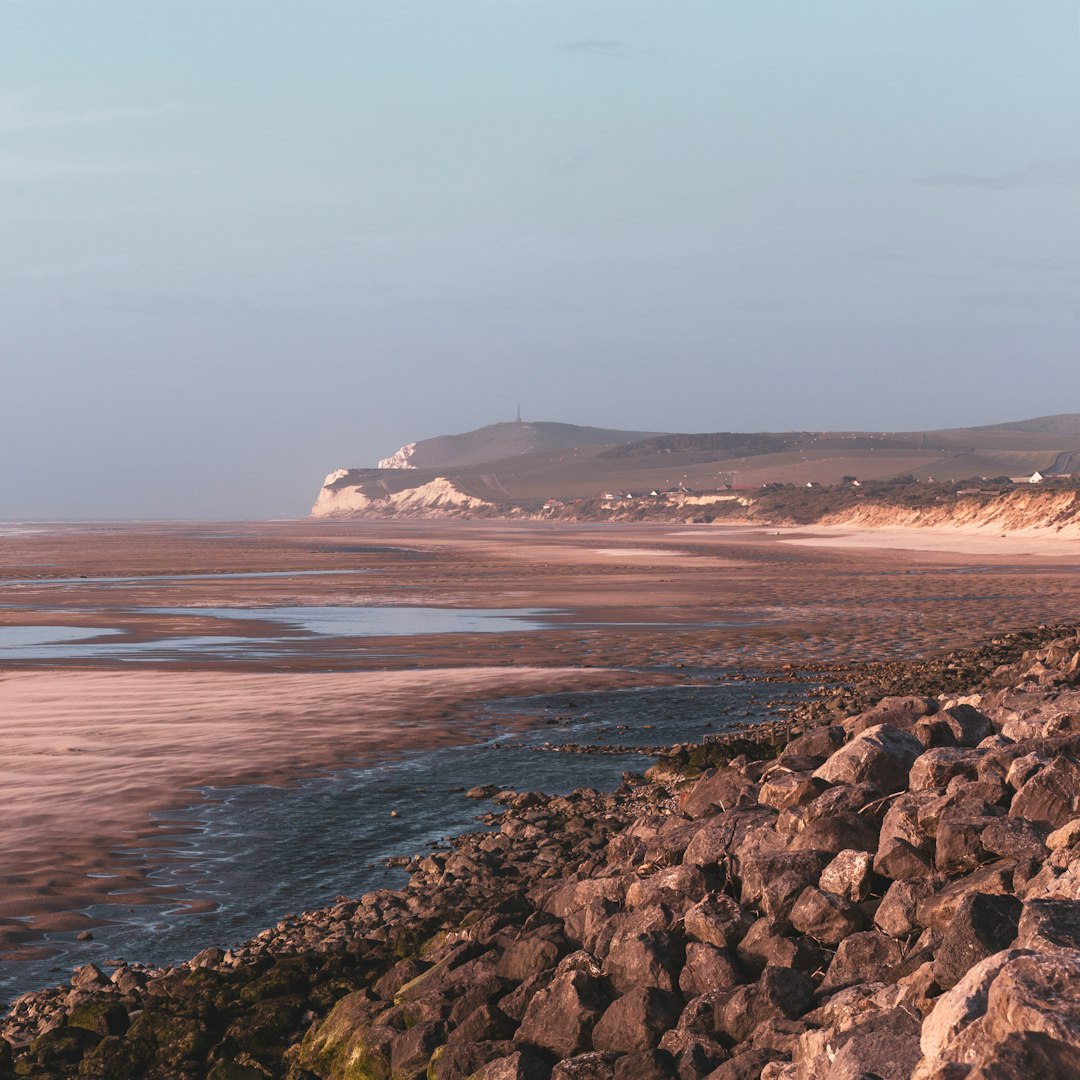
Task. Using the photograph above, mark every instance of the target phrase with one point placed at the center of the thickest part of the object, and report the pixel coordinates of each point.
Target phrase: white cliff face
(336, 475)
(438, 496)
(402, 459)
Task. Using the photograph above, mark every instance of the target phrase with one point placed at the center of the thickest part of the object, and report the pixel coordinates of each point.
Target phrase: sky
(244, 243)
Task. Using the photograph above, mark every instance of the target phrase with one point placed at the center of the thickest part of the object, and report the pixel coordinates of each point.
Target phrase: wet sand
(93, 746)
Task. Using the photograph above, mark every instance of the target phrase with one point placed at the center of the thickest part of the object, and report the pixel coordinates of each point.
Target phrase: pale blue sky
(243, 243)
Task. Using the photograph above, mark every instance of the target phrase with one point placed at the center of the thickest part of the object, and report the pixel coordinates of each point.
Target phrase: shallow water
(249, 856)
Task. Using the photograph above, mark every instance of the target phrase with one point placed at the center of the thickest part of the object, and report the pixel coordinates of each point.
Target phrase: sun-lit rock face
(400, 459)
(438, 496)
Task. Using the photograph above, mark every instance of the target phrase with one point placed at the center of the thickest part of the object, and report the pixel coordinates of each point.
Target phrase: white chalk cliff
(400, 459)
(438, 496)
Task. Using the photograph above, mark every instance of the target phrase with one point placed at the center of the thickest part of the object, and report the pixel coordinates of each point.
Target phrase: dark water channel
(253, 854)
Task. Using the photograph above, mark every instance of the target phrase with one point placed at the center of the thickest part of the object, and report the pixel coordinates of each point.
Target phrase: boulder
(1049, 926)
(779, 992)
(880, 755)
(899, 712)
(765, 945)
(962, 1005)
(717, 792)
(595, 1065)
(648, 959)
(560, 1018)
(636, 1021)
(935, 768)
(1014, 838)
(646, 1065)
(837, 832)
(1022, 1055)
(850, 874)
(758, 870)
(818, 742)
(884, 1045)
(896, 915)
(522, 1065)
(707, 968)
(745, 1066)
(1051, 797)
(1036, 993)
(981, 926)
(717, 920)
(826, 917)
(864, 957)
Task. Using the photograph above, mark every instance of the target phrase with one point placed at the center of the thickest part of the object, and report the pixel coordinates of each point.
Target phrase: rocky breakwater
(896, 895)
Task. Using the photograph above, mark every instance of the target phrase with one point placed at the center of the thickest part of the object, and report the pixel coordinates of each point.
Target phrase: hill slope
(517, 468)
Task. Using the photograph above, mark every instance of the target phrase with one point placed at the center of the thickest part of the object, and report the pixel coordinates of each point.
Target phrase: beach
(99, 739)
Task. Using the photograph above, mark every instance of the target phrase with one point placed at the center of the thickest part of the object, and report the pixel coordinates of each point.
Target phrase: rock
(636, 1021)
(646, 1065)
(1049, 926)
(595, 1065)
(756, 871)
(765, 945)
(522, 1065)
(411, 1050)
(900, 712)
(826, 917)
(779, 992)
(713, 844)
(707, 968)
(717, 920)
(850, 874)
(722, 790)
(649, 959)
(818, 742)
(1036, 993)
(1052, 796)
(935, 768)
(982, 926)
(745, 1066)
(881, 755)
(456, 1061)
(1066, 837)
(533, 953)
(961, 1006)
(958, 843)
(869, 955)
(896, 914)
(404, 971)
(837, 832)
(347, 1039)
(884, 1045)
(104, 1016)
(782, 788)
(1022, 1055)
(560, 1017)
(1014, 838)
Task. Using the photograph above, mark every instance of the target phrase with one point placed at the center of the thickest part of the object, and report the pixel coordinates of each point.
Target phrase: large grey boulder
(880, 755)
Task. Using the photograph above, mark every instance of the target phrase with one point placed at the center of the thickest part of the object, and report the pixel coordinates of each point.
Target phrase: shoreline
(764, 976)
(133, 744)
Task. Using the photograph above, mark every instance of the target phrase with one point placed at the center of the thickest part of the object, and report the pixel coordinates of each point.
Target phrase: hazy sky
(243, 243)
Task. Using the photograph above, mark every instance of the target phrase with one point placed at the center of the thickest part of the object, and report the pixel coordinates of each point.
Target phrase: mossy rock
(342, 1046)
(236, 1070)
(7, 1066)
(279, 981)
(267, 1025)
(176, 1038)
(62, 1046)
(106, 1017)
(116, 1056)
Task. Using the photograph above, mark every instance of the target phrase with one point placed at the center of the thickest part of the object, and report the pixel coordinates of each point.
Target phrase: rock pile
(895, 895)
